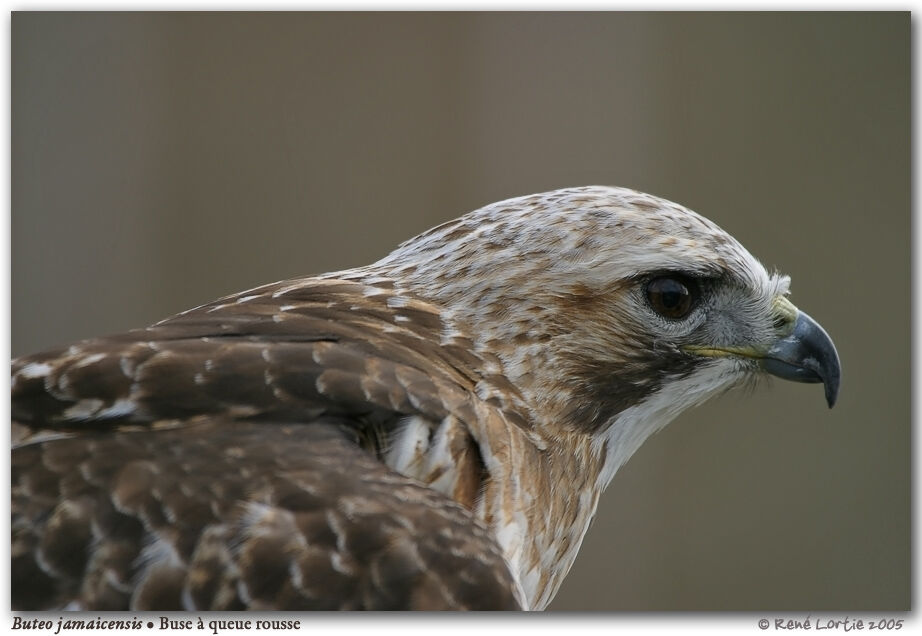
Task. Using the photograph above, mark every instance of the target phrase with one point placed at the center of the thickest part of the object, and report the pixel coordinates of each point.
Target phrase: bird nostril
(784, 314)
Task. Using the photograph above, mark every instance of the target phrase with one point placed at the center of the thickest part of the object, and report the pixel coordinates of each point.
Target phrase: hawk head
(612, 310)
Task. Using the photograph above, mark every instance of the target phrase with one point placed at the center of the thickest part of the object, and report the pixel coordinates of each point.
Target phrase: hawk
(431, 431)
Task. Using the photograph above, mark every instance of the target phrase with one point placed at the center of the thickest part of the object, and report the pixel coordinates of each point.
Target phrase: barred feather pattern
(271, 370)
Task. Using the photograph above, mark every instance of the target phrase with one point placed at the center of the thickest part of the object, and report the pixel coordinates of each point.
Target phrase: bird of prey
(431, 431)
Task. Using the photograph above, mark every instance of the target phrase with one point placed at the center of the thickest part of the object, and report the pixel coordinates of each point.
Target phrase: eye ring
(672, 296)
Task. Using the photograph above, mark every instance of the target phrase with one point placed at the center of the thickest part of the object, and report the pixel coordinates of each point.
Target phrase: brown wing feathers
(276, 358)
(216, 462)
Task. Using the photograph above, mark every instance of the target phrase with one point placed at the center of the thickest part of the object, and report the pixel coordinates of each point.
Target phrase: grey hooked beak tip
(806, 355)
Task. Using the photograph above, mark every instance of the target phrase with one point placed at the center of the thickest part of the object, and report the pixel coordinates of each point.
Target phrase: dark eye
(672, 296)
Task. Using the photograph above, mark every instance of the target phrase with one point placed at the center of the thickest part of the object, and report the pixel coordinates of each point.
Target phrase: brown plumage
(429, 432)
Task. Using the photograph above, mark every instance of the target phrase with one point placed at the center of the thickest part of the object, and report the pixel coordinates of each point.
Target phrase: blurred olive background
(162, 160)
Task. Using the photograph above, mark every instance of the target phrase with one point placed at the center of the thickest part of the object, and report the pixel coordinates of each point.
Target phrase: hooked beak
(806, 355)
(803, 353)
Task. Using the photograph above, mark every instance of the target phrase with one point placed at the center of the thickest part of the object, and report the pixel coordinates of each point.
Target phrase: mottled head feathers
(554, 283)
